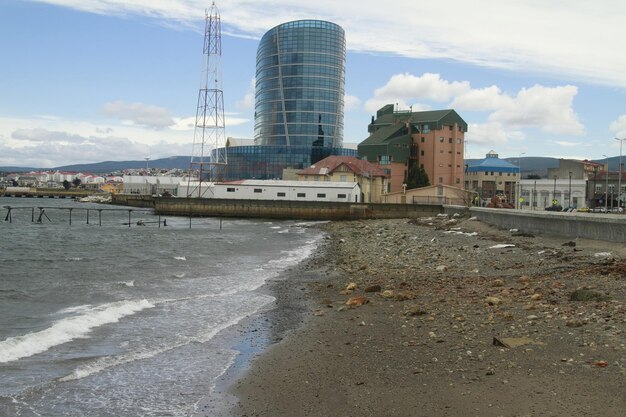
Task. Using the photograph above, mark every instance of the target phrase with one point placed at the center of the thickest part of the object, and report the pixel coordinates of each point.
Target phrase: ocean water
(114, 320)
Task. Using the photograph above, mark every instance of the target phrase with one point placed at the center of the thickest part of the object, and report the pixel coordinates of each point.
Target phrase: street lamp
(519, 180)
(619, 181)
(606, 187)
(554, 192)
(569, 193)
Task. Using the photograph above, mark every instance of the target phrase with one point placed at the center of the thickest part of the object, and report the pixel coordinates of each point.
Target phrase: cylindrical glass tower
(300, 84)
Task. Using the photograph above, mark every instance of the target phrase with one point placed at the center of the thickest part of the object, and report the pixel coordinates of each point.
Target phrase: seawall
(608, 227)
(306, 210)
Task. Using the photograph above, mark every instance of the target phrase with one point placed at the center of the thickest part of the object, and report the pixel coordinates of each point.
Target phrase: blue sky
(92, 80)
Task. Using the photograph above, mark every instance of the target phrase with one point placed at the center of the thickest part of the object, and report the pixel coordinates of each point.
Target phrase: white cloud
(490, 98)
(547, 108)
(492, 134)
(247, 102)
(618, 127)
(351, 103)
(404, 87)
(146, 115)
(568, 144)
(576, 39)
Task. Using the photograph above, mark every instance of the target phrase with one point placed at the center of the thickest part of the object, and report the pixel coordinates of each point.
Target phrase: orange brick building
(432, 140)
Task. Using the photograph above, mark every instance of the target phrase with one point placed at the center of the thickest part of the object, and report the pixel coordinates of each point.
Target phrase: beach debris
(601, 364)
(415, 310)
(497, 283)
(357, 301)
(442, 268)
(535, 297)
(570, 243)
(574, 323)
(513, 342)
(351, 286)
(587, 295)
(602, 254)
(493, 301)
(388, 294)
(373, 288)
(405, 295)
(502, 246)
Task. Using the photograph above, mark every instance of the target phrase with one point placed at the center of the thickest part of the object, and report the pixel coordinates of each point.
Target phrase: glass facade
(300, 84)
(268, 162)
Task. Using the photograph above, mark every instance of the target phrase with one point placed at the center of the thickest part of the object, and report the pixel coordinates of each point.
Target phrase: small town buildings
(372, 180)
(539, 194)
(431, 140)
(491, 177)
(150, 185)
(433, 194)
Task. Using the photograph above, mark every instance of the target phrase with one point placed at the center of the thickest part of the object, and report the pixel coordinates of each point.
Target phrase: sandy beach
(440, 317)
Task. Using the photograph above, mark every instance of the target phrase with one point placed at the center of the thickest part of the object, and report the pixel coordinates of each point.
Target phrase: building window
(230, 190)
(422, 153)
(449, 140)
(423, 139)
(441, 139)
(280, 194)
(301, 195)
(440, 180)
(441, 165)
(458, 141)
(343, 178)
(321, 195)
(458, 180)
(258, 190)
(341, 196)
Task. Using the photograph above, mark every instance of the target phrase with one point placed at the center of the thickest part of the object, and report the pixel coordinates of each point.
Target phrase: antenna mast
(208, 156)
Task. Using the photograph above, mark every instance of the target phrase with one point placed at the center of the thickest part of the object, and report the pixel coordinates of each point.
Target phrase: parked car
(554, 208)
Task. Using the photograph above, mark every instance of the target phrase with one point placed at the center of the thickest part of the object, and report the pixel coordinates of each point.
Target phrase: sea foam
(68, 329)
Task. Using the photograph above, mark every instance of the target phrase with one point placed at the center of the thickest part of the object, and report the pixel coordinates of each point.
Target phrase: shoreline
(255, 334)
(423, 343)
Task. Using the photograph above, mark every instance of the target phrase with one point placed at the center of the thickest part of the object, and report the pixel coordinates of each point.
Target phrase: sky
(85, 81)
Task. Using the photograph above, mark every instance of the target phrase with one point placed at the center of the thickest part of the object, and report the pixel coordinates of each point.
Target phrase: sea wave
(147, 353)
(69, 328)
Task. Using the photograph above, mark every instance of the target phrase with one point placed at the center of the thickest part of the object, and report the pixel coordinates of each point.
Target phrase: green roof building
(432, 140)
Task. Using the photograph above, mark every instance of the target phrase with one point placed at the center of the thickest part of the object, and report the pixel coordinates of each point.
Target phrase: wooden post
(129, 217)
(32, 215)
(99, 217)
(87, 216)
(70, 216)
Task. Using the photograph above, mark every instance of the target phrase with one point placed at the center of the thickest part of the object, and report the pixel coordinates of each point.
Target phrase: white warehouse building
(348, 192)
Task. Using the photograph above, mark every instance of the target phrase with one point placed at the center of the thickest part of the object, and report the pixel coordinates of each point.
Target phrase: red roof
(360, 167)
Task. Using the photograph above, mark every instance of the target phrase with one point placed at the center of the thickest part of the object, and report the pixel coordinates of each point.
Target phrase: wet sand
(448, 317)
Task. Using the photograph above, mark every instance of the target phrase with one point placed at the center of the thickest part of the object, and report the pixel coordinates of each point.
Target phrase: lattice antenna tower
(208, 156)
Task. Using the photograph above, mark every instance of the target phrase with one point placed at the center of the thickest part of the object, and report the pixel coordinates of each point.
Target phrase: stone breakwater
(449, 316)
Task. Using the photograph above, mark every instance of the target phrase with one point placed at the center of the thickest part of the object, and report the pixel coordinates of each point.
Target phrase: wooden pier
(38, 214)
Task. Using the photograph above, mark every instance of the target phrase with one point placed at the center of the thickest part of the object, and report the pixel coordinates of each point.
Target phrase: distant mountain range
(173, 162)
(530, 165)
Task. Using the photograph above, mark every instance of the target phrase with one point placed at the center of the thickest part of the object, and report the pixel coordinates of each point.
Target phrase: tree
(416, 177)
(66, 184)
(76, 182)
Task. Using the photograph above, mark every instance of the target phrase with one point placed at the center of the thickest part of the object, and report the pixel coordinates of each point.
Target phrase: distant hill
(530, 165)
(173, 162)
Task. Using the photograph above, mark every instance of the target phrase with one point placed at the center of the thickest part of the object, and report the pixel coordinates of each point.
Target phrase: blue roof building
(493, 176)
